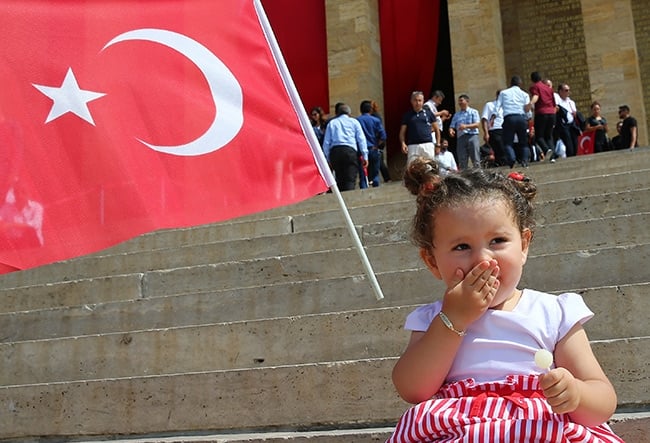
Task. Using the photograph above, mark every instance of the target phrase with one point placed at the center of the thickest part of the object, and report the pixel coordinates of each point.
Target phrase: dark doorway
(443, 77)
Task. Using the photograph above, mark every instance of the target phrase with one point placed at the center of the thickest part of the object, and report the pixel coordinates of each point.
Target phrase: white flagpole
(319, 157)
(357, 243)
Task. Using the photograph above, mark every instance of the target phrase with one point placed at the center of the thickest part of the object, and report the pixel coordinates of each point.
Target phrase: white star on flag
(69, 98)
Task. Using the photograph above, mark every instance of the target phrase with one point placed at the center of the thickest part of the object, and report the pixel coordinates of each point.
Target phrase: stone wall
(613, 60)
(477, 48)
(641, 19)
(354, 52)
(547, 36)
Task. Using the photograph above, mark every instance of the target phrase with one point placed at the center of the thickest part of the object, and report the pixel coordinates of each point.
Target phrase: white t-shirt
(434, 108)
(502, 343)
(447, 162)
(570, 107)
(490, 109)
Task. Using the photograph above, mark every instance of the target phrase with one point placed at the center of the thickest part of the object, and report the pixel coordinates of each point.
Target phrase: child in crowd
(470, 363)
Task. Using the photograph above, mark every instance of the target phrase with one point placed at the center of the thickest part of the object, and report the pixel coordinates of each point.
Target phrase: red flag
(118, 118)
(586, 142)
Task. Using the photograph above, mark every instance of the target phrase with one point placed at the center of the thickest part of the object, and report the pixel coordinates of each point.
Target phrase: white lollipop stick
(543, 359)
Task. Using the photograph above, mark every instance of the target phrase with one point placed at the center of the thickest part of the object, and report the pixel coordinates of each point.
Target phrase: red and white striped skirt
(513, 411)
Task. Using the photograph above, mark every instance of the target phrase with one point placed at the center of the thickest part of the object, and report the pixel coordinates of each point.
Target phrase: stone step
(258, 301)
(371, 232)
(587, 268)
(257, 343)
(223, 346)
(401, 288)
(548, 272)
(622, 230)
(631, 427)
(593, 206)
(589, 165)
(627, 229)
(229, 400)
(576, 204)
(324, 202)
(596, 185)
(354, 435)
(235, 229)
(75, 317)
(175, 257)
(72, 293)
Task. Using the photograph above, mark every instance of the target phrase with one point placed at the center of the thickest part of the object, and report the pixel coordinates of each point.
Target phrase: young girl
(470, 362)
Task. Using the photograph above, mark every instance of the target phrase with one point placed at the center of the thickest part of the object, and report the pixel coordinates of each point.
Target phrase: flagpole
(319, 157)
(357, 242)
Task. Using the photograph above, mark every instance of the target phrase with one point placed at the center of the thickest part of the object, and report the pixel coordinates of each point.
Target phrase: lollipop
(543, 359)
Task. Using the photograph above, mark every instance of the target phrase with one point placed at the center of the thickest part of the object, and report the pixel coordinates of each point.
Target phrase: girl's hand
(469, 296)
(561, 390)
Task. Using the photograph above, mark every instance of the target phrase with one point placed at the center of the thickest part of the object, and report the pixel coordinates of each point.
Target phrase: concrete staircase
(266, 329)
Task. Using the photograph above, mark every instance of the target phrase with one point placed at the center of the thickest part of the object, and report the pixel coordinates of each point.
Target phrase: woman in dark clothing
(597, 124)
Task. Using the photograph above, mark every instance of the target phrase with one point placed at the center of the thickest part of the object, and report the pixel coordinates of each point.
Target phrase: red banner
(409, 47)
(301, 30)
(118, 118)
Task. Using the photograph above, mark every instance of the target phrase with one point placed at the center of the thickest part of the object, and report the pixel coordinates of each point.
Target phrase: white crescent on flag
(225, 90)
(583, 140)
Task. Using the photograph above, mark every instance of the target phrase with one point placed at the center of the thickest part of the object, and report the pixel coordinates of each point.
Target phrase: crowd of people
(549, 124)
(518, 126)
(540, 124)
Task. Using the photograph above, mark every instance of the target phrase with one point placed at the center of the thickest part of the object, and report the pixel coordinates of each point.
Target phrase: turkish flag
(119, 118)
(586, 143)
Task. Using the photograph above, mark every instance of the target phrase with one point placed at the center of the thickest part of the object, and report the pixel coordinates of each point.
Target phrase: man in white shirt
(492, 124)
(445, 159)
(565, 126)
(441, 116)
(515, 103)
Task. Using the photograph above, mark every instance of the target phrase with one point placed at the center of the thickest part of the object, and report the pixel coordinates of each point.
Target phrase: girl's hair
(422, 178)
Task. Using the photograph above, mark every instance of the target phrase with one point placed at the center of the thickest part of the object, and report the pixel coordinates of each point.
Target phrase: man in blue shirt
(416, 128)
(375, 138)
(464, 126)
(344, 144)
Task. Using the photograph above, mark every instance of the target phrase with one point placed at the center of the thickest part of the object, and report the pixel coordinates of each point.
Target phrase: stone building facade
(601, 48)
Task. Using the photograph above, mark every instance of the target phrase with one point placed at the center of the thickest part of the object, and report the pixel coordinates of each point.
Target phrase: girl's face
(468, 234)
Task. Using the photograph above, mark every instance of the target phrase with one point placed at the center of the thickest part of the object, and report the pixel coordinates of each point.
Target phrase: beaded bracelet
(449, 324)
